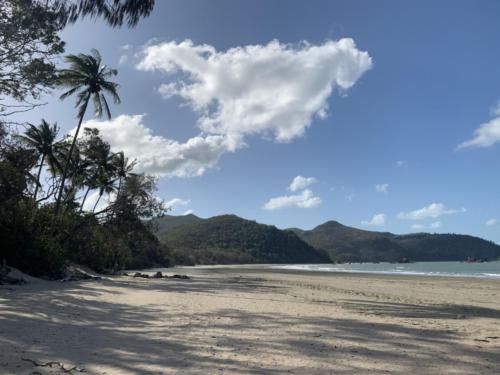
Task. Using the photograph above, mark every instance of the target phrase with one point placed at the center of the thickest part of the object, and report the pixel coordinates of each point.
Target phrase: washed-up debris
(159, 275)
(12, 276)
(142, 275)
(51, 364)
(76, 273)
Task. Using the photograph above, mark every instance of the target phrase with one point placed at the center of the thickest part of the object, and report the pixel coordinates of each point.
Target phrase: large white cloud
(158, 155)
(378, 220)
(300, 182)
(434, 210)
(274, 89)
(306, 199)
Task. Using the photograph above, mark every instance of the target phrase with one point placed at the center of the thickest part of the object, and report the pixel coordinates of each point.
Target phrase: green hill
(346, 244)
(166, 223)
(229, 239)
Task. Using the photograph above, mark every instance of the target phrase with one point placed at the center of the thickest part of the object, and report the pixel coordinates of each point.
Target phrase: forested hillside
(229, 239)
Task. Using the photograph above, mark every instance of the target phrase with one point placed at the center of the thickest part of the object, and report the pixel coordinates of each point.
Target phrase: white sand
(244, 321)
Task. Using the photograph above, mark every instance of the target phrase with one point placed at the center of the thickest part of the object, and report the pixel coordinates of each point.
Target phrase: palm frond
(69, 92)
(97, 104)
(106, 107)
(96, 55)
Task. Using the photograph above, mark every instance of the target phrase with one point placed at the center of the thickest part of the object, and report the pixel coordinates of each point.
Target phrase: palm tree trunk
(117, 194)
(84, 199)
(119, 187)
(68, 160)
(95, 205)
(38, 177)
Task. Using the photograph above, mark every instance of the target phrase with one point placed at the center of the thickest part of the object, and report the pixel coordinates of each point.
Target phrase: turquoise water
(456, 269)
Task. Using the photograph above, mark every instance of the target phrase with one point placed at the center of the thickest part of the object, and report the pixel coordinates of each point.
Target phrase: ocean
(453, 269)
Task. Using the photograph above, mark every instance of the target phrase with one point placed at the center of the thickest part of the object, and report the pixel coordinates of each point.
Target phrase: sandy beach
(253, 321)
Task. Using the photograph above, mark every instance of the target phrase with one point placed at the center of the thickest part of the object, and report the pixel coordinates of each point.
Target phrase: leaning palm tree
(75, 169)
(123, 167)
(41, 139)
(105, 184)
(103, 173)
(88, 79)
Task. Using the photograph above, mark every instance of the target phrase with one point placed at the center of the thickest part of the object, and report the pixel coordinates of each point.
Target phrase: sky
(381, 115)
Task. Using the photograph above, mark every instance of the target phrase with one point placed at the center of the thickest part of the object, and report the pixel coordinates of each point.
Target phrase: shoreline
(240, 320)
(275, 268)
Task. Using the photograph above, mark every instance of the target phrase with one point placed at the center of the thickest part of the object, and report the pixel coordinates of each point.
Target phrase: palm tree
(41, 138)
(106, 184)
(123, 167)
(86, 78)
(104, 172)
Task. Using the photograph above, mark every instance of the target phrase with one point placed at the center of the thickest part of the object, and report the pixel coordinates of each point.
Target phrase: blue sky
(388, 110)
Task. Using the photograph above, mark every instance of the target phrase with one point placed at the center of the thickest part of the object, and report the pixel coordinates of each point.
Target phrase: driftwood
(75, 273)
(54, 363)
(6, 279)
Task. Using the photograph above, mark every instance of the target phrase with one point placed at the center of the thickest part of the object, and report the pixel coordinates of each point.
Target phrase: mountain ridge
(229, 238)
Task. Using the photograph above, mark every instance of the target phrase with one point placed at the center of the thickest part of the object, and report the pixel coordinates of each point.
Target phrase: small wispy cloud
(491, 222)
(123, 59)
(172, 203)
(487, 134)
(434, 210)
(382, 188)
(300, 183)
(125, 50)
(378, 220)
(400, 163)
(434, 225)
(306, 199)
(495, 110)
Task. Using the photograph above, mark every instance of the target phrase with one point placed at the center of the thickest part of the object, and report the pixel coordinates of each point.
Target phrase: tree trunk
(84, 199)
(38, 177)
(66, 167)
(95, 205)
(117, 195)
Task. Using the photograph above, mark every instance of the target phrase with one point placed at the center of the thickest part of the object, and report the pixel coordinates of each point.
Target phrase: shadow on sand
(124, 337)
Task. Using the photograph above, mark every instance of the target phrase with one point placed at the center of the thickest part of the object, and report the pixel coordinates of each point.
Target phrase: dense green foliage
(42, 243)
(229, 239)
(114, 12)
(45, 180)
(345, 244)
(28, 44)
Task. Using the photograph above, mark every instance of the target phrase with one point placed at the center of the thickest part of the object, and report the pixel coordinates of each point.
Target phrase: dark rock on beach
(184, 277)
